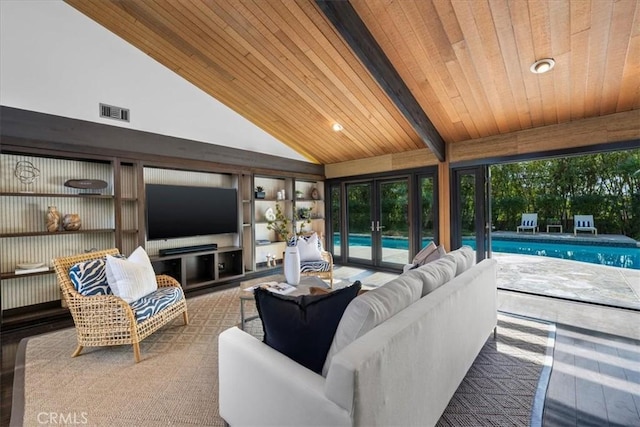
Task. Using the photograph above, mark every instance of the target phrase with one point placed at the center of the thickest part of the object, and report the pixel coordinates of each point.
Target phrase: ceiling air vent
(111, 112)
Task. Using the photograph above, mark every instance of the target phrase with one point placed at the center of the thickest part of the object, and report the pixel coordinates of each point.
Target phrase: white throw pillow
(465, 258)
(436, 273)
(308, 248)
(131, 278)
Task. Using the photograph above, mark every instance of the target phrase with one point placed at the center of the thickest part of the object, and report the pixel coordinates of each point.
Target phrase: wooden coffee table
(303, 288)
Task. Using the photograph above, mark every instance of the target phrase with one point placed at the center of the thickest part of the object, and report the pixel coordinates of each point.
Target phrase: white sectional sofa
(399, 354)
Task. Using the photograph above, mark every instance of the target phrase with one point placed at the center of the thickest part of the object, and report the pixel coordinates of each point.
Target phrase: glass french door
(427, 211)
(359, 229)
(470, 210)
(335, 215)
(377, 222)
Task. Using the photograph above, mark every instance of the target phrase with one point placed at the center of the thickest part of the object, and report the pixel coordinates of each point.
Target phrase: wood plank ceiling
(283, 66)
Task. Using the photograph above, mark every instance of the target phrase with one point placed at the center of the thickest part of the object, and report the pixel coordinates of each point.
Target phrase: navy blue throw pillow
(302, 327)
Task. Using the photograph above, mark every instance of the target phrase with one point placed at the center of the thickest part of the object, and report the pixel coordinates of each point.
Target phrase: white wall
(55, 60)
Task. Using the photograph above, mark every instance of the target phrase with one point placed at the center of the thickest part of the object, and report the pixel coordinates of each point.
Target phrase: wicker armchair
(105, 320)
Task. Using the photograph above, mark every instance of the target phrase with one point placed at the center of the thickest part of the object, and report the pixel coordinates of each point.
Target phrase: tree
(605, 185)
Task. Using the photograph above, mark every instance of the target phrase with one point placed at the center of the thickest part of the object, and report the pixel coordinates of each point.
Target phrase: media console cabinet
(196, 269)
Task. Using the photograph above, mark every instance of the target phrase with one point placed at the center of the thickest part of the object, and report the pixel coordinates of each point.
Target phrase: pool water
(615, 256)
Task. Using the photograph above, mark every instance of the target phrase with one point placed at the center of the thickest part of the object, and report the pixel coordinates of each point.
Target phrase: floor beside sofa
(567, 401)
(595, 380)
(507, 382)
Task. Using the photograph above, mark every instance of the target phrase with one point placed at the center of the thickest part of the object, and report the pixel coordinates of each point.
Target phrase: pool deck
(546, 276)
(580, 281)
(569, 238)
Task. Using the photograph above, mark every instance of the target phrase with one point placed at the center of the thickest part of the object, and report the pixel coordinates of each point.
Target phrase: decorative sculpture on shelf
(71, 222)
(271, 260)
(315, 194)
(53, 219)
(26, 173)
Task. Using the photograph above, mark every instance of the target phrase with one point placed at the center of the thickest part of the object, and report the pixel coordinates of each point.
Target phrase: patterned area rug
(507, 379)
(176, 381)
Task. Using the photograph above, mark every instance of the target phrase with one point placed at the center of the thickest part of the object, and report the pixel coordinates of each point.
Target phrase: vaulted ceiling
(288, 68)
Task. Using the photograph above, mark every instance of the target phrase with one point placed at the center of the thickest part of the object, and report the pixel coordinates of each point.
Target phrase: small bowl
(29, 265)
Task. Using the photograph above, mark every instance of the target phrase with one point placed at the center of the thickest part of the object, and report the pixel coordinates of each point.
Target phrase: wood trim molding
(39, 130)
(608, 129)
(346, 20)
(582, 133)
(387, 163)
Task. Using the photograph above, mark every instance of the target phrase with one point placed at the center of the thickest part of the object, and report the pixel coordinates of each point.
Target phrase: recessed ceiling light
(337, 127)
(542, 66)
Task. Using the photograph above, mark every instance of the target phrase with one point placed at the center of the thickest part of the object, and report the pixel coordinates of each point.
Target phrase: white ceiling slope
(57, 61)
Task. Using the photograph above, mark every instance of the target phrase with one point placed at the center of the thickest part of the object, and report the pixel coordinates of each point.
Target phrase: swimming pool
(615, 256)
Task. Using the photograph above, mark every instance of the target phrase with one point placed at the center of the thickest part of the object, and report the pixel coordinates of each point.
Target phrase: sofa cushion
(424, 253)
(465, 258)
(309, 248)
(372, 308)
(435, 274)
(436, 254)
(302, 327)
(132, 278)
(90, 278)
(314, 266)
(153, 303)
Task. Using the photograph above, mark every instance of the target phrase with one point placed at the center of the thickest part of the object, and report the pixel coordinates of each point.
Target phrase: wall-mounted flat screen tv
(184, 211)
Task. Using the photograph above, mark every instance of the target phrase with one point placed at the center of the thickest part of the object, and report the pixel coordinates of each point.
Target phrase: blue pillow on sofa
(302, 328)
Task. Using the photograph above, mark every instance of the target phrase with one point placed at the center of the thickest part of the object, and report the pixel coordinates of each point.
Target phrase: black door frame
(482, 201)
(415, 236)
(375, 212)
(413, 176)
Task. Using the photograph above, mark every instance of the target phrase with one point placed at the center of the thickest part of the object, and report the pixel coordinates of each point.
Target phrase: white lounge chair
(529, 222)
(583, 223)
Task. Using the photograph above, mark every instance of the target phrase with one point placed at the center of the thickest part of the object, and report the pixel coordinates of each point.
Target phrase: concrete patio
(525, 283)
(575, 280)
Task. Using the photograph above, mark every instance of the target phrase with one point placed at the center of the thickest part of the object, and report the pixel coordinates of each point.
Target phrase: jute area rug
(176, 382)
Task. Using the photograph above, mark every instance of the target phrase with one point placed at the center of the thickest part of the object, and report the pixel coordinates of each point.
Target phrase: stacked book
(275, 287)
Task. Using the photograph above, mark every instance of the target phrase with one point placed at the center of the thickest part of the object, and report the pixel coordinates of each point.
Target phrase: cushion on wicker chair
(90, 277)
(309, 248)
(155, 302)
(314, 266)
(131, 278)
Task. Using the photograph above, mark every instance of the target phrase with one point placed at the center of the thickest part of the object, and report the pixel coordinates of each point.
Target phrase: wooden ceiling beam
(345, 19)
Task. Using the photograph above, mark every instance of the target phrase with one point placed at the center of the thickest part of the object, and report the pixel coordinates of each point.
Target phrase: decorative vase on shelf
(71, 222)
(292, 265)
(53, 219)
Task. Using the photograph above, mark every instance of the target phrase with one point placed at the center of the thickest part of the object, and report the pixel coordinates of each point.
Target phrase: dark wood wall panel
(45, 131)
